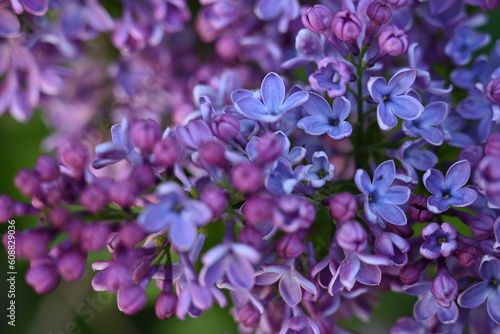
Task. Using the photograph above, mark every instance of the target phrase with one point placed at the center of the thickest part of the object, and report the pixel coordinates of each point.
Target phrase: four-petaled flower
(439, 240)
(391, 101)
(324, 119)
(488, 289)
(381, 199)
(273, 105)
(447, 190)
(320, 171)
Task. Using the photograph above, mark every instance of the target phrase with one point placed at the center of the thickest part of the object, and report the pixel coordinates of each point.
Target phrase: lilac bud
(165, 305)
(6, 208)
(410, 273)
(228, 47)
(493, 145)
(258, 210)
(392, 246)
(94, 236)
(379, 12)
(342, 206)
(490, 4)
(471, 153)
(247, 178)
(215, 199)
(404, 231)
(248, 316)
(33, 243)
(145, 134)
(418, 210)
(493, 90)
(445, 290)
(317, 18)
(23, 209)
(123, 193)
(269, 148)
(166, 152)
(143, 176)
(130, 234)
(94, 198)
(46, 168)
(251, 236)
(225, 126)
(352, 237)
(27, 182)
(308, 43)
(74, 227)
(131, 299)
(467, 256)
(346, 26)
(482, 226)
(212, 153)
(71, 264)
(58, 217)
(393, 40)
(42, 278)
(74, 155)
(290, 246)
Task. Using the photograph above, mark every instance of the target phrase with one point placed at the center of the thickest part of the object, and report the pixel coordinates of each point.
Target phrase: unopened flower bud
(145, 134)
(46, 168)
(225, 126)
(493, 90)
(74, 155)
(212, 153)
(248, 315)
(71, 264)
(379, 12)
(143, 176)
(317, 18)
(166, 152)
(410, 273)
(290, 246)
(165, 305)
(94, 236)
(467, 256)
(482, 226)
(247, 177)
(471, 153)
(228, 47)
(131, 299)
(94, 198)
(352, 237)
(251, 236)
(342, 206)
(445, 290)
(123, 193)
(130, 234)
(346, 26)
(393, 40)
(33, 243)
(269, 148)
(308, 43)
(6, 208)
(418, 210)
(215, 199)
(27, 182)
(42, 278)
(58, 217)
(493, 145)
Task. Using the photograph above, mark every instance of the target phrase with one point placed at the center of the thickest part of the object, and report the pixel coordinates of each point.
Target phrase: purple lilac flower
(291, 282)
(487, 290)
(85, 19)
(320, 171)
(300, 324)
(332, 77)
(413, 157)
(273, 104)
(324, 119)
(283, 10)
(439, 240)
(380, 199)
(179, 214)
(478, 107)
(35, 7)
(480, 71)
(282, 179)
(448, 190)
(426, 125)
(391, 101)
(464, 42)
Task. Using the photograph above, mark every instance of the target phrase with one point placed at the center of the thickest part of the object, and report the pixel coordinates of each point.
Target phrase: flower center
(442, 240)
(178, 207)
(493, 282)
(321, 173)
(334, 122)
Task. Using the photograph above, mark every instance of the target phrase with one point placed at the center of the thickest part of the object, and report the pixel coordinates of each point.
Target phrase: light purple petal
(490, 268)
(377, 88)
(268, 9)
(401, 82)
(305, 283)
(435, 113)
(263, 278)
(363, 182)
(9, 24)
(247, 252)
(349, 269)
(273, 92)
(373, 259)
(385, 118)
(341, 108)
(405, 107)
(183, 304)
(475, 295)
(437, 204)
(240, 273)
(458, 175)
(369, 274)
(422, 159)
(293, 101)
(316, 105)
(182, 234)
(251, 108)
(432, 135)
(154, 218)
(448, 315)
(425, 307)
(493, 306)
(342, 130)
(111, 151)
(290, 290)
(201, 297)
(390, 213)
(211, 273)
(35, 7)
(433, 180)
(463, 197)
(384, 175)
(313, 125)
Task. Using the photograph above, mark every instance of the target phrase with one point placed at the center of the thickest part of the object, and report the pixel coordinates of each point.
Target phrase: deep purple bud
(225, 126)
(33, 243)
(346, 25)
(471, 153)
(145, 134)
(94, 236)
(445, 290)
(342, 206)
(71, 264)
(258, 210)
(248, 316)
(352, 237)
(123, 193)
(493, 145)
(393, 40)
(46, 168)
(166, 152)
(290, 246)
(482, 226)
(467, 256)
(74, 155)
(393, 246)
(247, 178)
(251, 236)
(215, 199)
(143, 176)
(228, 47)
(410, 273)
(212, 153)
(94, 198)
(27, 182)
(6, 208)
(493, 90)
(379, 12)
(269, 148)
(131, 299)
(58, 217)
(490, 4)
(165, 305)
(130, 234)
(42, 278)
(418, 210)
(317, 18)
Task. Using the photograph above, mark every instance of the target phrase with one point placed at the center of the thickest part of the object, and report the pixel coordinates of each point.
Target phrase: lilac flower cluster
(357, 118)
